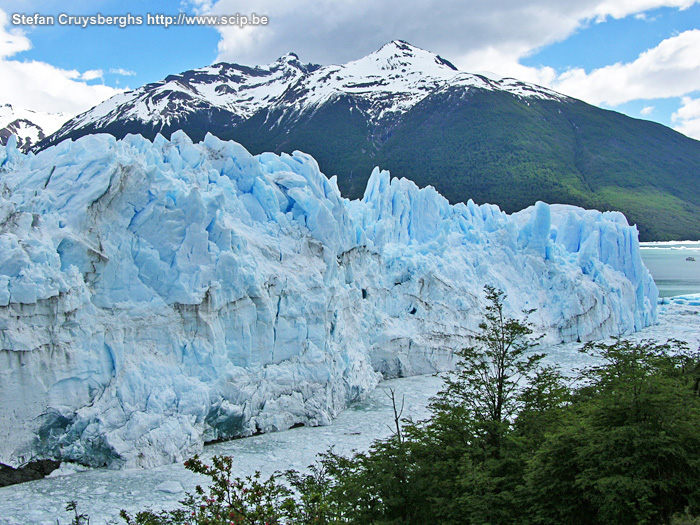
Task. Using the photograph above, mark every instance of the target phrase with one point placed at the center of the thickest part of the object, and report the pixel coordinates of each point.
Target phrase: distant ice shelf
(155, 296)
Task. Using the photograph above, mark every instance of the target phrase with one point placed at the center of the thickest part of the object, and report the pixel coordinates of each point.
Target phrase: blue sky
(616, 40)
(622, 40)
(149, 52)
(641, 57)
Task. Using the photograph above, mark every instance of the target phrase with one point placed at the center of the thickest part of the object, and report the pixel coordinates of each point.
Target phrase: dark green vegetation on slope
(509, 441)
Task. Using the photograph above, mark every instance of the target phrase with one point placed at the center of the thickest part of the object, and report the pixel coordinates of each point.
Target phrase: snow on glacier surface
(154, 296)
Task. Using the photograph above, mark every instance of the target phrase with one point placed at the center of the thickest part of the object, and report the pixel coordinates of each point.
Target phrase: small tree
(492, 373)
(465, 453)
(229, 500)
(78, 519)
(314, 500)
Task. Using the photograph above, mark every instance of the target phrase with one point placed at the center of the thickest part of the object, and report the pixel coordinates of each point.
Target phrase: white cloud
(199, 6)
(473, 34)
(13, 41)
(92, 74)
(647, 110)
(671, 69)
(43, 87)
(687, 118)
(245, 39)
(496, 62)
(122, 72)
(40, 86)
(623, 8)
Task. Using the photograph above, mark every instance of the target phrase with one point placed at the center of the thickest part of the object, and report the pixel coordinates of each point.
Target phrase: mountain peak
(400, 52)
(399, 48)
(290, 63)
(400, 45)
(288, 57)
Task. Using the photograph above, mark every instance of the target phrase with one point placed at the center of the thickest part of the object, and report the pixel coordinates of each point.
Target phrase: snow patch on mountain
(157, 295)
(29, 126)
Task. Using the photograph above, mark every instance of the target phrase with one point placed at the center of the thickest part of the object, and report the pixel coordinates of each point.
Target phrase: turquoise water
(673, 274)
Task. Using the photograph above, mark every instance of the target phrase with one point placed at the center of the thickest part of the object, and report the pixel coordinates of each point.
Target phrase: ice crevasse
(158, 295)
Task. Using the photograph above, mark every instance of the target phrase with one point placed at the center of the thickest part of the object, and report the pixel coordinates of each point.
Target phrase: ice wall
(154, 296)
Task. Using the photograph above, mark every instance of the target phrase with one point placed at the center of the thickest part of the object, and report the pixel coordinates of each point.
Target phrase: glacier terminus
(158, 295)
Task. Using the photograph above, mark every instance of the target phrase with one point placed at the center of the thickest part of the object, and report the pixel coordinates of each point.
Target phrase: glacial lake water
(668, 263)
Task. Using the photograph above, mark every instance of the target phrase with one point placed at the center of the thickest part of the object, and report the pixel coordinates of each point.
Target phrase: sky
(639, 57)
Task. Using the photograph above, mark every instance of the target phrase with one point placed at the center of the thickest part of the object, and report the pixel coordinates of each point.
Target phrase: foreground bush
(229, 500)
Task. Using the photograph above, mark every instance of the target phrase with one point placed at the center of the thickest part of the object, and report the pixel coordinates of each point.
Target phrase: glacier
(155, 296)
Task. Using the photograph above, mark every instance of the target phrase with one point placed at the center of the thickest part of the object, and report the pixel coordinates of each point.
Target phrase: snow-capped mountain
(228, 92)
(154, 296)
(30, 127)
(403, 108)
(391, 81)
(387, 82)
